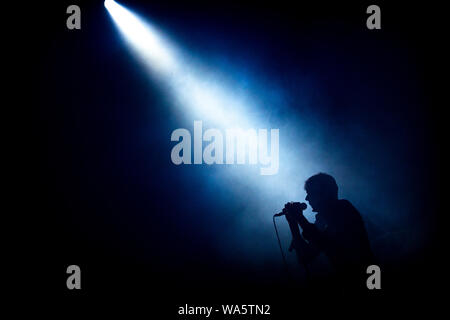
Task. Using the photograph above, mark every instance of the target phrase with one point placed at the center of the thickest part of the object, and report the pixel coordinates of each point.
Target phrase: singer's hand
(288, 215)
(291, 212)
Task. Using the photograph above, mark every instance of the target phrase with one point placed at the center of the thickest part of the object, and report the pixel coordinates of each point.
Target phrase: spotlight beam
(143, 38)
(198, 91)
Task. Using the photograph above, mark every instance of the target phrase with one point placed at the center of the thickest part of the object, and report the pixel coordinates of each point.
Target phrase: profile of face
(313, 199)
(317, 200)
(321, 191)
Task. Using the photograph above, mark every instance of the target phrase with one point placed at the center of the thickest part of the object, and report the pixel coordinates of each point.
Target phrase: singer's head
(321, 191)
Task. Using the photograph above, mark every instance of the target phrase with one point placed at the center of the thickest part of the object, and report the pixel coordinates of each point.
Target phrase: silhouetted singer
(338, 232)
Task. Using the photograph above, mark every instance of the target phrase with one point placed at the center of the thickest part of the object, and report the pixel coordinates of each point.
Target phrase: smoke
(318, 133)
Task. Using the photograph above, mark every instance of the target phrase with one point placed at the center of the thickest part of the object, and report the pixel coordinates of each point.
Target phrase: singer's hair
(324, 183)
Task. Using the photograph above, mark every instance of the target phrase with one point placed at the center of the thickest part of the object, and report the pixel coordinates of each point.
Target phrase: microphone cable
(281, 250)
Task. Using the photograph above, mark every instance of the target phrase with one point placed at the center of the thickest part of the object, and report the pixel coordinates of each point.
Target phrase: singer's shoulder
(346, 205)
(348, 209)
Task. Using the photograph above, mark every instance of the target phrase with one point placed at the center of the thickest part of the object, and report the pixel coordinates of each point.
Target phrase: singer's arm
(310, 231)
(305, 251)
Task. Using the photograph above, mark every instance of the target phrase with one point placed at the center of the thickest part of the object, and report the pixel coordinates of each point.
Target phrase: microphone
(301, 204)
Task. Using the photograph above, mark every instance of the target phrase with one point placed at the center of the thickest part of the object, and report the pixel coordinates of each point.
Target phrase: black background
(89, 174)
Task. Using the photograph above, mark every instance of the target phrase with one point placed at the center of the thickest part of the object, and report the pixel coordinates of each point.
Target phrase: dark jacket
(341, 235)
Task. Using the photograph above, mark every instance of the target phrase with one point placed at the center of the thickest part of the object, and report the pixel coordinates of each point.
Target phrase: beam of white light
(143, 38)
(203, 94)
(206, 96)
(192, 86)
